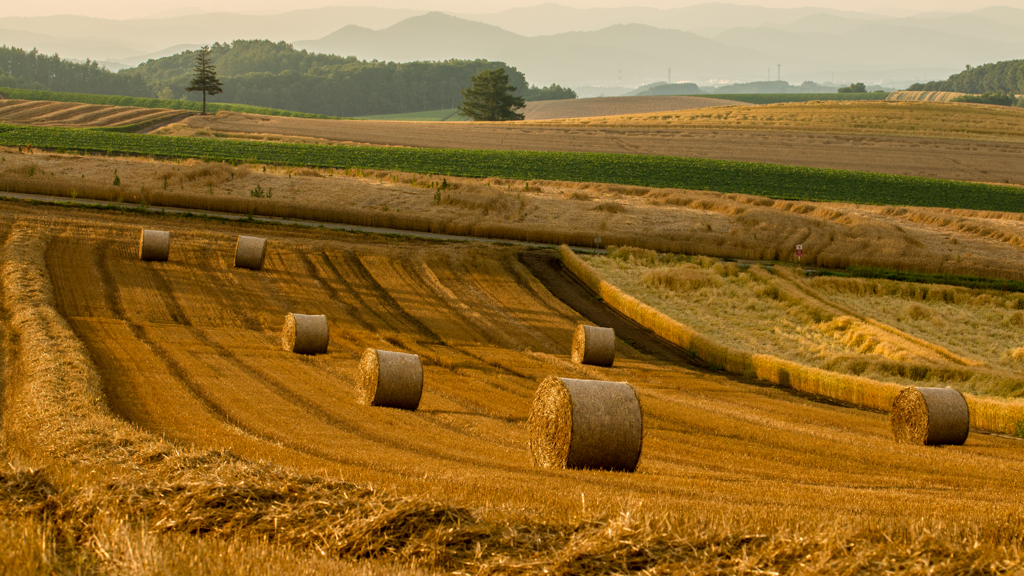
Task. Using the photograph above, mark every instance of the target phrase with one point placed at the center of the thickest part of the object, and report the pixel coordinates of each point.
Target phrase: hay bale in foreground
(930, 416)
(154, 245)
(305, 333)
(250, 252)
(586, 424)
(593, 345)
(391, 379)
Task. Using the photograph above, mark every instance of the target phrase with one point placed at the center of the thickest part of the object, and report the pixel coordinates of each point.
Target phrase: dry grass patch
(894, 331)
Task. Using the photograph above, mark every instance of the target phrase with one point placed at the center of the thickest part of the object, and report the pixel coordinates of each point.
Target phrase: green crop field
(769, 180)
(104, 100)
(446, 115)
(780, 98)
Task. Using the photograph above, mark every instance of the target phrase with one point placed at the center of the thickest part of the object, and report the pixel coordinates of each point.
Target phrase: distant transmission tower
(778, 77)
(669, 75)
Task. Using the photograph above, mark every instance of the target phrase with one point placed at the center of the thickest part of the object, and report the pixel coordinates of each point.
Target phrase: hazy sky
(136, 9)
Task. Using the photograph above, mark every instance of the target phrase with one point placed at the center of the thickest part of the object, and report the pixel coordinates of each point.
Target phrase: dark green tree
(204, 76)
(490, 97)
(854, 88)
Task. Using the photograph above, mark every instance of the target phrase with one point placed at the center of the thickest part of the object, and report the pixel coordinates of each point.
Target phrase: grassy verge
(105, 100)
(974, 282)
(987, 413)
(780, 98)
(769, 180)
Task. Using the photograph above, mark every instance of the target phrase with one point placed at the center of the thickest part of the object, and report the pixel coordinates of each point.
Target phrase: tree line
(275, 75)
(34, 71)
(997, 78)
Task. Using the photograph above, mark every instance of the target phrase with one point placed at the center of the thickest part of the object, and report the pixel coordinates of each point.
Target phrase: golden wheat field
(153, 423)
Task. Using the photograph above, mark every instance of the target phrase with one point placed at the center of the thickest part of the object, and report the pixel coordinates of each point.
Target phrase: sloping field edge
(768, 180)
(991, 414)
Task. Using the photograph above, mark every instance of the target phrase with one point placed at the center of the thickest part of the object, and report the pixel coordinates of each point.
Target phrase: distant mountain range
(612, 47)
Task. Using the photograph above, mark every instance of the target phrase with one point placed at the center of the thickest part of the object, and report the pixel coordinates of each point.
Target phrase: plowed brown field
(587, 107)
(189, 350)
(72, 114)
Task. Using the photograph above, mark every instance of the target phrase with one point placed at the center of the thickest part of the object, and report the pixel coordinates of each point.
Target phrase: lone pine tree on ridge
(490, 97)
(204, 77)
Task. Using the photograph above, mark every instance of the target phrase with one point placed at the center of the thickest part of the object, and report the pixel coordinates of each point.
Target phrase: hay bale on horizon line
(154, 245)
(390, 379)
(250, 252)
(593, 345)
(930, 416)
(586, 424)
(305, 333)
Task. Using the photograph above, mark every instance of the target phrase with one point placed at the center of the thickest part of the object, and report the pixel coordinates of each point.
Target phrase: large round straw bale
(930, 416)
(593, 345)
(586, 424)
(250, 252)
(305, 333)
(391, 379)
(154, 245)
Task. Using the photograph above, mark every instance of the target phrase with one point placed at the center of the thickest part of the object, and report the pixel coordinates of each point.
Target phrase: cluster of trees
(999, 78)
(275, 75)
(35, 71)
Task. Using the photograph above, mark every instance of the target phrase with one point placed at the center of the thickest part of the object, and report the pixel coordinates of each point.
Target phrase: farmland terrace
(950, 141)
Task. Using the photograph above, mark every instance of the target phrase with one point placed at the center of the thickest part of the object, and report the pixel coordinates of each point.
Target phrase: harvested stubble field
(723, 225)
(909, 333)
(71, 114)
(172, 433)
(953, 141)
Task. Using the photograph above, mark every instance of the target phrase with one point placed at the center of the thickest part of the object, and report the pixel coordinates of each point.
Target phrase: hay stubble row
(179, 356)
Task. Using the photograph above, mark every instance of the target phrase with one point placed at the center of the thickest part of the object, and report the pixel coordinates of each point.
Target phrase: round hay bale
(305, 333)
(586, 424)
(250, 252)
(154, 245)
(391, 379)
(930, 416)
(593, 345)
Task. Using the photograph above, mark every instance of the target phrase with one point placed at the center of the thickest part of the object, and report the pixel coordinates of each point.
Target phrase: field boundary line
(237, 217)
(987, 413)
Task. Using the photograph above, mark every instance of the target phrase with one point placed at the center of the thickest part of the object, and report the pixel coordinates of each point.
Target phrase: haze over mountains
(610, 47)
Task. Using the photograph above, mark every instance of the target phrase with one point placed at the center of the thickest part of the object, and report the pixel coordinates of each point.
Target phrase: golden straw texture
(154, 245)
(250, 252)
(930, 416)
(995, 414)
(593, 345)
(305, 334)
(586, 424)
(391, 379)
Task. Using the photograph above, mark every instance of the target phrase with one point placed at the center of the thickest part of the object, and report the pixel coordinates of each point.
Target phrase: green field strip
(768, 180)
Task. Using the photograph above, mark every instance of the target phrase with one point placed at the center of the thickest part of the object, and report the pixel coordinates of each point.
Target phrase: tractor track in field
(565, 286)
